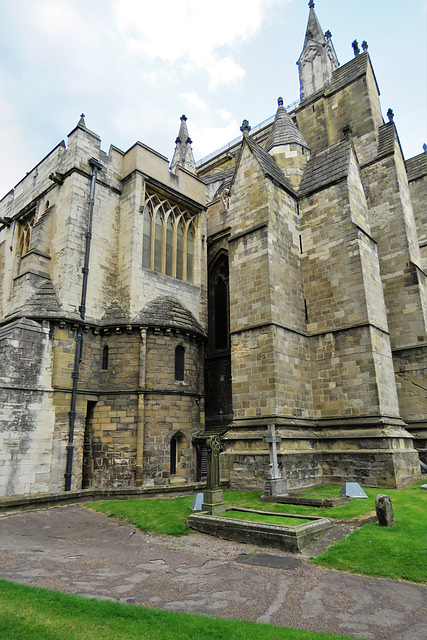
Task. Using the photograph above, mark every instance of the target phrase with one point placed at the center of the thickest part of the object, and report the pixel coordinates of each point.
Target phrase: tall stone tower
(325, 288)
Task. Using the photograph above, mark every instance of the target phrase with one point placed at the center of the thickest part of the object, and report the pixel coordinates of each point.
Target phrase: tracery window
(168, 244)
(25, 228)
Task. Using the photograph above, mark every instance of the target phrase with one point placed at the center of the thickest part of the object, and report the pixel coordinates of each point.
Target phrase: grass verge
(29, 613)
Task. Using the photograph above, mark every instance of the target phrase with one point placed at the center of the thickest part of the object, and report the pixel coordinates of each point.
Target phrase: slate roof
(326, 167)
(114, 314)
(284, 130)
(356, 67)
(168, 312)
(386, 139)
(226, 174)
(268, 165)
(417, 167)
(42, 304)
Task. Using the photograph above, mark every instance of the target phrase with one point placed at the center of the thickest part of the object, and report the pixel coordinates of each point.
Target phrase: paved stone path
(74, 550)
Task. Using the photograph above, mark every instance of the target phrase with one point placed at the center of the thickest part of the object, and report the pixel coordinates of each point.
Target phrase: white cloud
(193, 99)
(192, 32)
(207, 139)
(223, 114)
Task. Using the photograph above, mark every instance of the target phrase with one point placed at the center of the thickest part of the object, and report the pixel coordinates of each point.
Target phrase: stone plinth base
(275, 487)
(213, 501)
(372, 457)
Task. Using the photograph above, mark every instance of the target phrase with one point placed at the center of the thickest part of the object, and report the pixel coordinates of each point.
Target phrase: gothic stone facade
(282, 281)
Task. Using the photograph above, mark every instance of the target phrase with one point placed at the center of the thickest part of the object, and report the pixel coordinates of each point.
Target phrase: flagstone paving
(74, 550)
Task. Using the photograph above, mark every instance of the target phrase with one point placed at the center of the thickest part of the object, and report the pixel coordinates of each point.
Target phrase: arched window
(169, 247)
(221, 314)
(105, 358)
(179, 363)
(25, 229)
(180, 252)
(146, 238)
(158, 240)
(190, 254)
(168, 239)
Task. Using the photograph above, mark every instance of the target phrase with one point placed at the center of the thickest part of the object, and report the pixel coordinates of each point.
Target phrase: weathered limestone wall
(171, 407)
(417, 177)
(352, 99)
(26, 412)
(393, 227)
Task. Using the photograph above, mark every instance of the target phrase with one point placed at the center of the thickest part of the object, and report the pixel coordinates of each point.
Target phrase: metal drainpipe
(96, 166)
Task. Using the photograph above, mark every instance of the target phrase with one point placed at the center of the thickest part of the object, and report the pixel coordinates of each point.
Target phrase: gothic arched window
(168, 239)
(25, 229)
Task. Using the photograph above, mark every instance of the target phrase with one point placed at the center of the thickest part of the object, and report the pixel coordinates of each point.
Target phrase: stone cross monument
(275, 485)
(213, 496)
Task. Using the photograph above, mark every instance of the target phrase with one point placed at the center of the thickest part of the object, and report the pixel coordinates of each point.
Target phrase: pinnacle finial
(245, 128)
(347, 131)
(311, 4)
(425, 147)
(280, 102)
(390, 115)
(183, 118)
(355, 46)
(364, 46)
(82, 120)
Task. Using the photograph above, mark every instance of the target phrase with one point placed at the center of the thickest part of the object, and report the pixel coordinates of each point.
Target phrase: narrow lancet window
(105, 358)
(179, 363)
(146, 238)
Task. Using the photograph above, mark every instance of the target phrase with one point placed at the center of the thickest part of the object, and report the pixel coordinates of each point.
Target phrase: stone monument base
(213, 501)
(275, 487)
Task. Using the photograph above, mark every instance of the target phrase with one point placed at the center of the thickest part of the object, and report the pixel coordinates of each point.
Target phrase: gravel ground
(74, 550)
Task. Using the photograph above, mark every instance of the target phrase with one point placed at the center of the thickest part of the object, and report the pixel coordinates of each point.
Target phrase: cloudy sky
(135, 66)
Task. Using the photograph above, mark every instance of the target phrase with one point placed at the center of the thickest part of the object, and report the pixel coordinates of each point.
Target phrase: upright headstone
(275, 485)
(384, 510)
(213, 496)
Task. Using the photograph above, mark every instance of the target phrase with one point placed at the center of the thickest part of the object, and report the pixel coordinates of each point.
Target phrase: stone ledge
(43, 500)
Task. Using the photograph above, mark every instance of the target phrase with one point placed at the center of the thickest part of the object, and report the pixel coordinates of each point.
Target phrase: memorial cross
(272, 440)
(213, 445)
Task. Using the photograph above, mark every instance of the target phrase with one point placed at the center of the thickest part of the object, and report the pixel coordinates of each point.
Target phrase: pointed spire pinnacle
(245, 128)
(183, 154)
(81, 122)
(318, 58)
(284, 131)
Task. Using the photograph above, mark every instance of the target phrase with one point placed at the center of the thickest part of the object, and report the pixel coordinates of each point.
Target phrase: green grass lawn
(259, 517)
(29, 613)
(398, 552)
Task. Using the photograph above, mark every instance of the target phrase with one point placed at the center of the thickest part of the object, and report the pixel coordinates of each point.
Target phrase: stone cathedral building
(281, 280)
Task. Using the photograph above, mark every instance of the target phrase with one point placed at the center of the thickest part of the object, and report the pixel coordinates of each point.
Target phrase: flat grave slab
(286, 538)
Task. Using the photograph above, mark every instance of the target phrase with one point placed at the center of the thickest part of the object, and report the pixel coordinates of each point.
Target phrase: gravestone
(353, 490)
(384, 510)
(275, 485)
(213, 496)
(196, 505)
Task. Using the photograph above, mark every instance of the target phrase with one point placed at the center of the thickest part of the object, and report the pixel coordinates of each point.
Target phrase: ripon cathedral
(146, 304)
